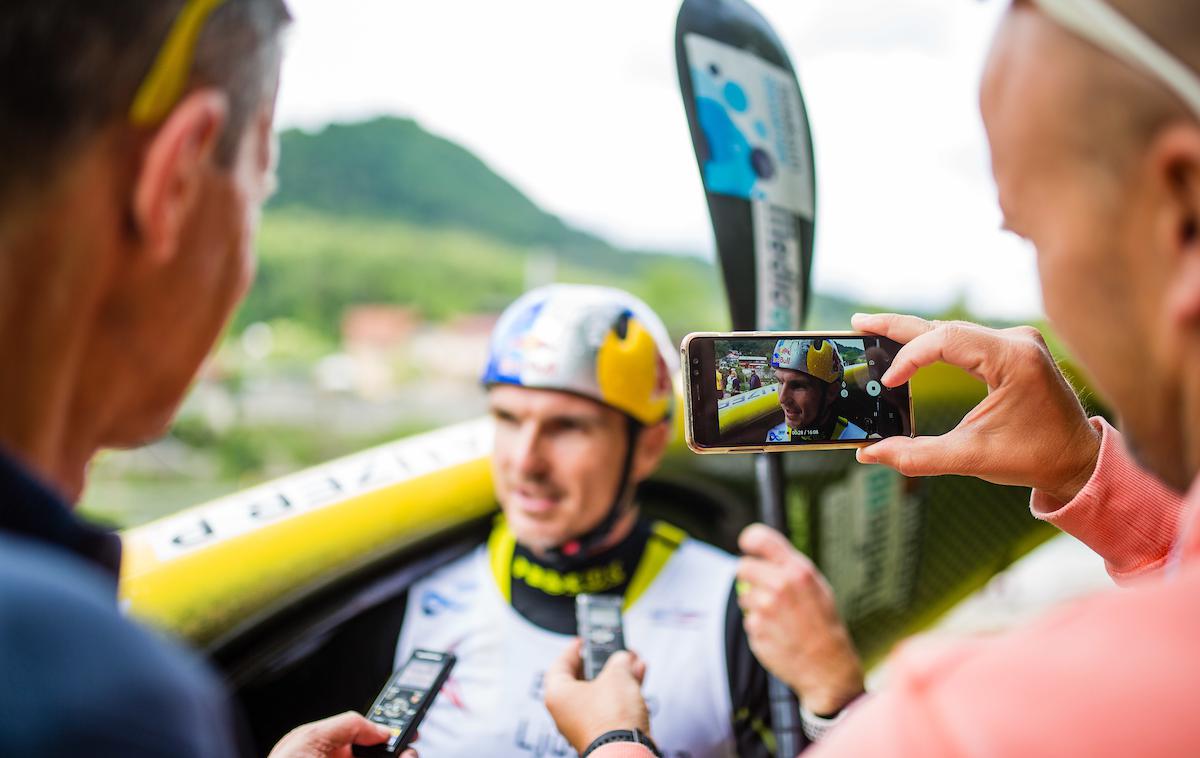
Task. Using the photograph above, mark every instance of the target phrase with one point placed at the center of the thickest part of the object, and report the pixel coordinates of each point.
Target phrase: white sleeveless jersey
(492, 703)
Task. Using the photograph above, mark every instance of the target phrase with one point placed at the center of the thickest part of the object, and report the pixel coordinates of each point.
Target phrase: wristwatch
(816, 727)
(623, 735)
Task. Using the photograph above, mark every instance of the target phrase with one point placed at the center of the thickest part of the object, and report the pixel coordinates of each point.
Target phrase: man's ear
(651, 445)
(1178, 159)
(1183, 292)
(832, 392)
(173, 169)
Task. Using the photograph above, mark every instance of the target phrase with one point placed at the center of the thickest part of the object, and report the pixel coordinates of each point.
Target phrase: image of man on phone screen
(809, 372)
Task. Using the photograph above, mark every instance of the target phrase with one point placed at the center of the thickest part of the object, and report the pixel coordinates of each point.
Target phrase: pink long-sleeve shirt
(1114, 674)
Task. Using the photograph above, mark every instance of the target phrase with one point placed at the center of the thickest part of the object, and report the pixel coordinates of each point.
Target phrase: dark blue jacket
(76, 677)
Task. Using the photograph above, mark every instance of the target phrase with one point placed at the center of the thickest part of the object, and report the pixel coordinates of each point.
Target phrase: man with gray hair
(137, 148)
(1092, 109)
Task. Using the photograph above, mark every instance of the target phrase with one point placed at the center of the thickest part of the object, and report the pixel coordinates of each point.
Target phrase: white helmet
(816, 357)
(598, 342)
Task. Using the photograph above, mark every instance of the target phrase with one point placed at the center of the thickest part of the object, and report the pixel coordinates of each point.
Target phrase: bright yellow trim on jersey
(665, 539)
(839, 428)
(501, 545)
(760, 728)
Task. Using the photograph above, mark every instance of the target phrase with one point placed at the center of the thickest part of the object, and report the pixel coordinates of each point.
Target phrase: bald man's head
(1174, 24)
(1097, 163)
(1112, 108)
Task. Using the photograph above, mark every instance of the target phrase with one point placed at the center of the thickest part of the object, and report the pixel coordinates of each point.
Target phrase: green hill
(391, 168)
(385, 212)
(312, 265)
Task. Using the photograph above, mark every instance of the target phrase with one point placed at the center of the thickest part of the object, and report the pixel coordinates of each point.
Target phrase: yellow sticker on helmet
(821, 362)
(628, 372)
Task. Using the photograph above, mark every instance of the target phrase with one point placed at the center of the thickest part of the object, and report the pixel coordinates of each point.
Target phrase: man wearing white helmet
(809, 372)
(579, 383)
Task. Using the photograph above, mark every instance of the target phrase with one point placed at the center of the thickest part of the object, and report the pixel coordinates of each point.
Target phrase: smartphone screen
(756, 391)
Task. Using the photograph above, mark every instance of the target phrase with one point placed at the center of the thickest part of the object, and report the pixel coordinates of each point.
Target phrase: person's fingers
(759, 602)
(967, 346)
(758, 627)
(331, 736)
(764, 542)
(757, 573)
(346, 729)
(750, 622)
(351, 727)
(921, 456)
(622, 661)
(573, 655)
(409, 753)
(894, 326)
(567, 667)
(627, 662)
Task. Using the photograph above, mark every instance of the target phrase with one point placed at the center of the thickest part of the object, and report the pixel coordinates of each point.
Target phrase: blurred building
(374, 338)
(390, 351)
(456, 350)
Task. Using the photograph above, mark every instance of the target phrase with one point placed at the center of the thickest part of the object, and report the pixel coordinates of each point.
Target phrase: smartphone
(406, 698)
(599, 620)
(752, 392)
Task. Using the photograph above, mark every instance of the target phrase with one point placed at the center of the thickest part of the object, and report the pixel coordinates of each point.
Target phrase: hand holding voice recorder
(599, 621)
(405, 699)
(781, 391)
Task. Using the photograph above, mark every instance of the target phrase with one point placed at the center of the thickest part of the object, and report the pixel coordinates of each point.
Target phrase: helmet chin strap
(590, 541)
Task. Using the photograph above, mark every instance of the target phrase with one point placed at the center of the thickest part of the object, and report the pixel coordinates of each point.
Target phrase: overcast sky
(577, 103)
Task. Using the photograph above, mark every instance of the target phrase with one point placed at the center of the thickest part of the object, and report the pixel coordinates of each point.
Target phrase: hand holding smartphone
(750, 392)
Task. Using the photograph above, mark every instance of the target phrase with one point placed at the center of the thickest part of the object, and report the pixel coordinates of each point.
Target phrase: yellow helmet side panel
(630, 374)
(821, 362)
